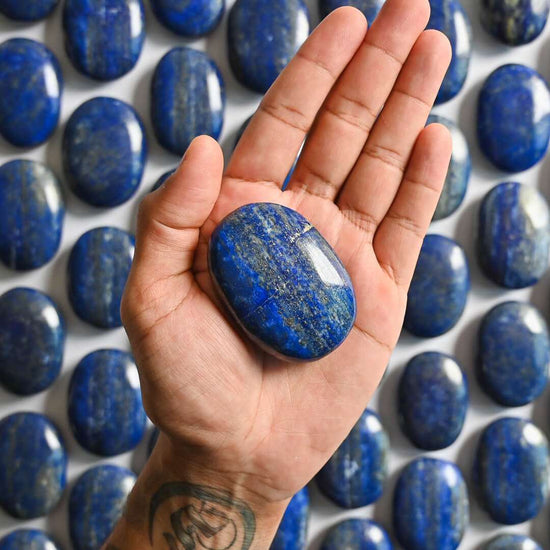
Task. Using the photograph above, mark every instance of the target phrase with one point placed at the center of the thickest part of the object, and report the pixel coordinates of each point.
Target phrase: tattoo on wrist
(200, 518)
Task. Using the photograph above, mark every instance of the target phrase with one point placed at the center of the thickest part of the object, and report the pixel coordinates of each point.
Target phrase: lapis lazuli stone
(96, 503)
(192, 18)
(512, 542)
(152, 441)
(357, 534)
(162, 179)
(33, 465)
(292, 532)
(430, 505)
(514, 354)
(370, 8)
(32, 341)
(439, 288)
(27, 10)
(511, 470)
(32, 210)
(106, 423)
(28, 539)
(263, 36)
(282, 281)
(458, 175)
(449, 17)
(514, 235)
(513, 117)
(30, 92)
(355, 474)
(104, 38)
(99, 265)
(514, 22)
(433, 400)
(104, 151)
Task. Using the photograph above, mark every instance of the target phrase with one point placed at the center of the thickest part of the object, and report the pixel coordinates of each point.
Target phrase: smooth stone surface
(104, 38)
(190, 18)
(106, 423)
(458, 175)
(30, 92)
(27, 10)
(282, 281)
(355, 474)
(514, 22)
(514, 235)
(292, 532)
(96, 503)
(104, 151)
(370, 8)
(28, 539)
(32, 341)
(512, 542)
(357, 534)
(449, 17)
(33, 465)
(439, 288)
(152, 441)
(32, 210)
(513, 117)
(432, 400)
(430, 505)
(511, 470)
(98, 268)
(187, 99)
(263, 37)
(162, 179)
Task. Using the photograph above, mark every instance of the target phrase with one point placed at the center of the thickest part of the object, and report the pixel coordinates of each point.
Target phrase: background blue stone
(511, 542)
(191, 18)
(28, 539)
(356, 534)
(292, 532)
(370, 8)
(27, 10)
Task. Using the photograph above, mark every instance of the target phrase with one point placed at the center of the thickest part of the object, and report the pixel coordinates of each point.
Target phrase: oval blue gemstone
(370, 8)
(292, 532)
(187, 99)
(458, 175)
(449, 17)
(430, 505)
(162, 179)
(263, 37)
(152, 441)
(104, 38)
(513, 22)
(104, 151)
(355, 474)
(282, 281)
(96, 504)
(514, 235)
(192, 18)
(99, 265)
(32, 341)
(511, 542)
(33, 465)
(28, 539)
(30, 92)
(433, 400)
(27, 10)
(513, 118)
(439, 288)
(511, 470)
(32, 210)
(357, 534)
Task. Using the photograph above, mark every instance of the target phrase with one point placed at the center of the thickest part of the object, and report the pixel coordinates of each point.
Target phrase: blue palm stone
(33, 465)
(511, 470)
(27, 10)
(30, 92)
(355, 474)
(356, 534)
(282, 281)
(292, 532)
(28, 539)
(370, 8)
(160, 182)
(511, 542)
(190, 18)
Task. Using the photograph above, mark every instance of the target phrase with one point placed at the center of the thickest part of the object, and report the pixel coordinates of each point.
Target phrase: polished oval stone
(263, 37)
(191, 18)
(32, 341)
(152, 441)
(355, 474)
(513, 117)
(511, 470)
(449, 17)
(514, 235)
(104, 151)
(162, 179)
(104, 38)
(30, 92)
(99, 265)
(106, 423)
(282, 281)
(458, 175)
(514, 22)
(356, 534)
(32, 210)
(511, 542)
(28, 539)
(433, 400)
(292, 532)
(27, 10)
(439, 288)
(370, 8)
(96, 503)
(430, 505)
(33, 465)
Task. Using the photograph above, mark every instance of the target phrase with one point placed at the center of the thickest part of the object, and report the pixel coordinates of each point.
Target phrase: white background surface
(82, 339)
